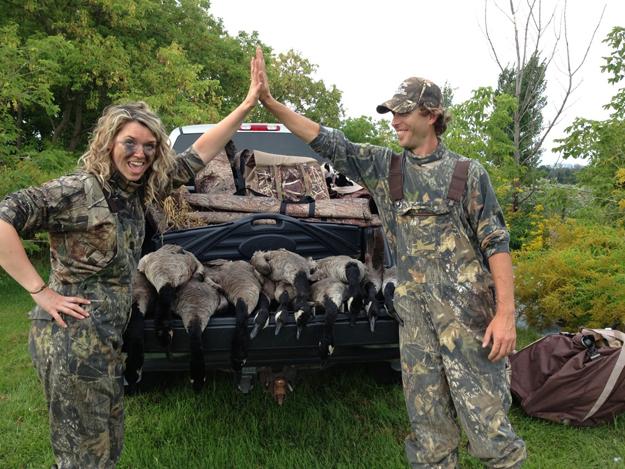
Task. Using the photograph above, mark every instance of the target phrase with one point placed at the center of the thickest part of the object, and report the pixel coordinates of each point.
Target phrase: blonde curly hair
(97, 159)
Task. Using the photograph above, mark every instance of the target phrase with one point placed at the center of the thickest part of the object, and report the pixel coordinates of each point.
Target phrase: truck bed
(239, 240)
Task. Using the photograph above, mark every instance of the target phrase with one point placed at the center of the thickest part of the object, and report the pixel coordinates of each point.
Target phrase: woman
(95, 219)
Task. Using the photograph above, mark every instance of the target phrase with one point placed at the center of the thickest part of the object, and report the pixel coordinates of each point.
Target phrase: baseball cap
(412, 92)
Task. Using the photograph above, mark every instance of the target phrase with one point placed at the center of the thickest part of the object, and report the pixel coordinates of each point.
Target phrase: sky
(368, 47)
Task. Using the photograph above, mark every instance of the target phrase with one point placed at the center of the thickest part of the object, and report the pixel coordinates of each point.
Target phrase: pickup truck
(272, 357)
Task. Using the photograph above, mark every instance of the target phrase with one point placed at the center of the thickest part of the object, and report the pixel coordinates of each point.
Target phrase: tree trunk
(75, 140)
(59, 129)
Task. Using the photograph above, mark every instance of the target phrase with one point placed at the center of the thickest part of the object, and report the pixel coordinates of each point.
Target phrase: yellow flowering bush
(576, 279)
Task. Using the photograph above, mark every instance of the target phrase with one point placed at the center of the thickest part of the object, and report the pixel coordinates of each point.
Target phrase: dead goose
(285, 266)
(329, 294)
(166, 269)
(196, 302)
(241, 284)
(143, 297)
(347, 270)
(261, 318)
(389, 282)
(283, 294)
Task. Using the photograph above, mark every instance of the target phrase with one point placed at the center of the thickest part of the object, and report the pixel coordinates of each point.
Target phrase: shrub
(576, 279)
(34, 168)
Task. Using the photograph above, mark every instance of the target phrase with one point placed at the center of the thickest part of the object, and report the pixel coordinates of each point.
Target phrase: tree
(364, 130)
(529, 108)
(524, 77)
(479, 129)
(291, 81)
(62, 62)
(602, 143)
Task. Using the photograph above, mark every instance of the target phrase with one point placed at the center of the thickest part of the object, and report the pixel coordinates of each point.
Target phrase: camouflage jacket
(88, 231)
(426, 181)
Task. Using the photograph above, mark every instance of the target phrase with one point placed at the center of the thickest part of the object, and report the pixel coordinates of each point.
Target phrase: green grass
(338, 418)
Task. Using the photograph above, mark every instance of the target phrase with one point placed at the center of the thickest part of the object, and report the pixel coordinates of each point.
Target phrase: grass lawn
(338, 418)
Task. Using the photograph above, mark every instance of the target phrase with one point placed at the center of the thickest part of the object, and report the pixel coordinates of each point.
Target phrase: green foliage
(519, 226)
(28, 72)
(577, 280)
(34, 168)
(615, 65)
(563, 200)
(447, 93)
(478, 127)
(560, 173)
(173, 88)
(602, 143)
(290, 76)
(62, 62)
(527, 114)
(364, 130)
(479, 130)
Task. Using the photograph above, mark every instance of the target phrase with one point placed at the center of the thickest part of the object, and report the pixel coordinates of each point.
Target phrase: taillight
(260, 127)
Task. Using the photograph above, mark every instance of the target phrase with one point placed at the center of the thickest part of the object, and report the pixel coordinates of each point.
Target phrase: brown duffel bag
(289, 178)
(575, 379)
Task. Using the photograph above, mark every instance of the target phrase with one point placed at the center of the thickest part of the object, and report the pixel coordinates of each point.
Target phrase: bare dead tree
(531, 26)
(529, 35)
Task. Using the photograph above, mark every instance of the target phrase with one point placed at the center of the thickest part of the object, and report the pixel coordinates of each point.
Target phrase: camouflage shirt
(426, 181)
(83, 228)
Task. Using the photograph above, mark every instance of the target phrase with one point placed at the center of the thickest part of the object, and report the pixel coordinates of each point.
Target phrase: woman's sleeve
(188, 164)
(53, 206)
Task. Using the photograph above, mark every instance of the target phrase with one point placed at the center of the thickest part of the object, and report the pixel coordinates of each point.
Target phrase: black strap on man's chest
(456, 186)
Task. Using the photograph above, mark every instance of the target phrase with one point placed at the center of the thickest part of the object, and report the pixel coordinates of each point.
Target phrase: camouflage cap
(412, 92)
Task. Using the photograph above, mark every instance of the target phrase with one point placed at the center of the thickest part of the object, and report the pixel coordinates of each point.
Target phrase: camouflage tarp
(283, 177)
(216, 176)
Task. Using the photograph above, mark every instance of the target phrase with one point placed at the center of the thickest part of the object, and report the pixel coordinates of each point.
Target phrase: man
(455, 284)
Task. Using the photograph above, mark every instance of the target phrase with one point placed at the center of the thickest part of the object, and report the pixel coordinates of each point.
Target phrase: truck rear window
(271, 142)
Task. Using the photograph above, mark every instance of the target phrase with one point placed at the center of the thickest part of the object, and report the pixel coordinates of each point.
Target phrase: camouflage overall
(95, 245)
(445, 296)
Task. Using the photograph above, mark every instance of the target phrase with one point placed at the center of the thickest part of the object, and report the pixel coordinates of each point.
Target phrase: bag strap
(277, 180)
(396, 178)
(616, 371)
(307, 199)
(239, 180)
(302, 168)
(456, 186)
(458, 180)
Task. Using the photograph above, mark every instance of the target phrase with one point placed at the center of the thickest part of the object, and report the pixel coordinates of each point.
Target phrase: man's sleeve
(485, 214)
(363, 163)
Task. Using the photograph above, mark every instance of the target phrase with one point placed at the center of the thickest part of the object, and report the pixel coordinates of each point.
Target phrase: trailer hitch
(278, 383)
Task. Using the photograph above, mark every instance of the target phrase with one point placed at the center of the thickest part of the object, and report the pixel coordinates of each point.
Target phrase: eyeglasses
(131, 147)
